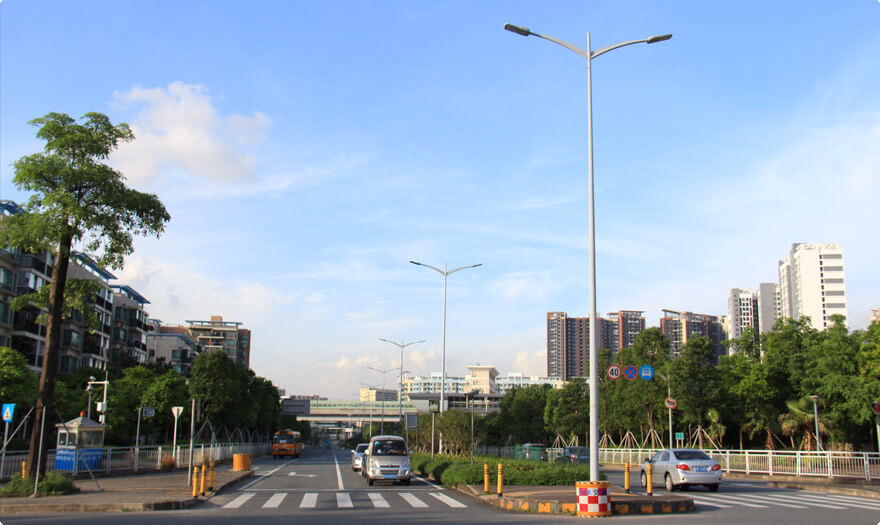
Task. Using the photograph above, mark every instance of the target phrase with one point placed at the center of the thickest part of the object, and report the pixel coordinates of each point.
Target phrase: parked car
(357, 456)
(682, 467)
(574, 455)
(387, 459)
(531, 451)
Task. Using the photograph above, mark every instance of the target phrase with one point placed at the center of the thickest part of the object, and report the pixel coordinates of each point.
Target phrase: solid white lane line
(702, 501)
(740, 501)
(378, 501)
(447, 500)
(338, 474)
(309, 501)
(343, 500)
(428, 482)
(275, 501)
(239, 501)
(413, 501)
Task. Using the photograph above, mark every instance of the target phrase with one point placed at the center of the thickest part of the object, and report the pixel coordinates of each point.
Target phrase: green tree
(566, 411)
(125, 396)
(522, 413)
(695, 380)
(17, 383)
(638, 403)
(164, 391)
(223, 385)
(456, 428)
(71, 396)
(77, 201)
(267, 404)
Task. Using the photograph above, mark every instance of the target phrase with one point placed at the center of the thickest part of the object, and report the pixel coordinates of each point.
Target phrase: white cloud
(179, 133)
(520, 285)
(531, 364)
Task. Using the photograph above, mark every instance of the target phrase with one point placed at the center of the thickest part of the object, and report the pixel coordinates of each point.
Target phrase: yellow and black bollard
(649, 486)
(204, 479)
(626, 477)
(195, 481)
(500, 479)
(486, 478)
(211, 476)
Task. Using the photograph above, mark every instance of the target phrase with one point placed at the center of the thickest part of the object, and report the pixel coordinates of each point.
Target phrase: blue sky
(307, 150)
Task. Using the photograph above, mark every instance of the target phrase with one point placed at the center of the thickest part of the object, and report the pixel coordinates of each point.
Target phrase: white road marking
(774, 501)
(239, 501)
(343, 500)
(741, 501)
(413, 501)
(275, 501)
(309, 501)
(810, 503)
(710, 503)
(338, 474)
(447, 500)
(428, 482)
(261, 477)
(378, 501)
(835, 500)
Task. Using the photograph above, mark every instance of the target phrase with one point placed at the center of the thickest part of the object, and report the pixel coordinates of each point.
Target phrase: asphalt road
(321, 488)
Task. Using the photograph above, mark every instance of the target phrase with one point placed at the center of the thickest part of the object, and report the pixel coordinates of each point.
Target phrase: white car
(357, 456)
(682, 467)
(387, 459)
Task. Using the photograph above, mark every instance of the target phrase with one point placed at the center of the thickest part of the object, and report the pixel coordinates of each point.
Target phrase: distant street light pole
(815, 398)
(371, 409)
(90, 389)
(594, 329)
(401, 345)
(383, 372)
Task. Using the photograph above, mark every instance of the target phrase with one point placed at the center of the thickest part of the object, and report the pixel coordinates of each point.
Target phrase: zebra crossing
(790, 500)
(344, 500)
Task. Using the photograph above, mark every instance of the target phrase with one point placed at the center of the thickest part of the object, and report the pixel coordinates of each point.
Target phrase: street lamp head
(524, 31)
(814, 398)
(659, 38)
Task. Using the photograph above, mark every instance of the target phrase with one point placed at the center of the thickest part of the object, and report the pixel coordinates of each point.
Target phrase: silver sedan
(357, 456)
(682, 467)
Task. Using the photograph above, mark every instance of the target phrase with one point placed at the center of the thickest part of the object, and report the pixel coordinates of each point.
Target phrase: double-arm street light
(445, 273)
(401, 345)
(382, 371)
(594, 348)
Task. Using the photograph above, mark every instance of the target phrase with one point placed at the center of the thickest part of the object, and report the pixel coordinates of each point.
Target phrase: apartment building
(173, 346)
(568, 340)
(227, 336)
(483, 378)
(128, 344)
(742, 311)
(812, 283)
(679, 327)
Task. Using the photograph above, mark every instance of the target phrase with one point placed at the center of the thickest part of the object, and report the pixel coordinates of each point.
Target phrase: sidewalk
(136, 492)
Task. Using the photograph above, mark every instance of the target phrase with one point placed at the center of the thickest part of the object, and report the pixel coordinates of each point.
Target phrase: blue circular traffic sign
(630, 372)
(646, 372)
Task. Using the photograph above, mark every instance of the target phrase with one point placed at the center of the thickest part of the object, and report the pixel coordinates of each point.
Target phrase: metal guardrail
(137, 459)
(824, 464)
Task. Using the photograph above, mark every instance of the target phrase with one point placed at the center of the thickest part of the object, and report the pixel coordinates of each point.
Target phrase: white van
(387, 459)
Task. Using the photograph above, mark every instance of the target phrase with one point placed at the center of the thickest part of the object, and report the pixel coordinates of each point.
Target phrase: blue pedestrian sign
(8, 409)
(646, 372)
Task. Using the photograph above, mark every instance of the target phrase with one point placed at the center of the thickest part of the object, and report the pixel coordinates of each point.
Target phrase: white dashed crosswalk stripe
(275, 501)
(309, 501)
(794, 499)
(447, 500)
(840, 500)
(774, 501)
(413, 501)
(378, 501)
(702, 501)
(239, 501)
(343, 500)
(741, 501)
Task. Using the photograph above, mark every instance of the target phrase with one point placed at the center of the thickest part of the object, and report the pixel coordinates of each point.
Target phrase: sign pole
(192, 432)
(3, 460)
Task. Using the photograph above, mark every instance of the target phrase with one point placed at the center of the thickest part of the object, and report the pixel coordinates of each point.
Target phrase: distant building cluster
(124, 333)
(811, 284)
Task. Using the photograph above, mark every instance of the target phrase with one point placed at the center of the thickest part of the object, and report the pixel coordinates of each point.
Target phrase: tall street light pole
(445, 273)
(594, 329)
(383, 372)
(815, 399)
(401, 345)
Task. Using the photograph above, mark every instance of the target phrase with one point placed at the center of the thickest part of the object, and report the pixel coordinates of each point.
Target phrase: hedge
(451, 470)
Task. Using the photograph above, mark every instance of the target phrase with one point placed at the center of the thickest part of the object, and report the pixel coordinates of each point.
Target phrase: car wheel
(669, 486)
(407, 481)
(713, 487)
(644, 479)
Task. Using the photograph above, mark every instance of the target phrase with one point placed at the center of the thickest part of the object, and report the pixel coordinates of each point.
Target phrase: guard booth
(80, 445)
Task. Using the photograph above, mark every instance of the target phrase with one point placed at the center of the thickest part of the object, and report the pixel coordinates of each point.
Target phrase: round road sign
(670, 403)
(646, 372)
(613, 372)
(630, 372)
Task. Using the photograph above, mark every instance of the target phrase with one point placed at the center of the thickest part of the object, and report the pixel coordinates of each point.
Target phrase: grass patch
(52, 484)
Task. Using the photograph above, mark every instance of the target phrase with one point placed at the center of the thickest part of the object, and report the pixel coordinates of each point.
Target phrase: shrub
(51, 484)
(450, 470)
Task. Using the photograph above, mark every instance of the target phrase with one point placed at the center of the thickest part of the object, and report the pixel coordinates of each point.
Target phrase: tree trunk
(44, 415)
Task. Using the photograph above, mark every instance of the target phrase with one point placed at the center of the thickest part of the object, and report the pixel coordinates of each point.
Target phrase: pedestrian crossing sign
(8, 409)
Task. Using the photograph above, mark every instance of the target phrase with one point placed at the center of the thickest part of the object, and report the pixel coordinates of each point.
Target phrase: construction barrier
(593, 498)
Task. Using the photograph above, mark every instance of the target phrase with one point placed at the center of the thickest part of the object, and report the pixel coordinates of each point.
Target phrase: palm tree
(799, 419)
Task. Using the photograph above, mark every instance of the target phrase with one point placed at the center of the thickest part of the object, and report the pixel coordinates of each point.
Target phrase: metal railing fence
(147, 458)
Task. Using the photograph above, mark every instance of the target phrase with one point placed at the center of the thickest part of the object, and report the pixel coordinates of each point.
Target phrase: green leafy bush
(51, 484)
(451, 470)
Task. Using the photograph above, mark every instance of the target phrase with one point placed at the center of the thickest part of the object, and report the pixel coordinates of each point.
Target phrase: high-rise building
(568, 340)
(742, 311)
(629, 324)
(129, 340)
(812, 284)
(173, 346)
(227, 336)
(768, 306)
(678, 327)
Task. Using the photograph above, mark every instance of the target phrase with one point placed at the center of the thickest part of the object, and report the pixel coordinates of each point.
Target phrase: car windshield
(690, 454)
(362, 447)
(284, 439)
(389, 447)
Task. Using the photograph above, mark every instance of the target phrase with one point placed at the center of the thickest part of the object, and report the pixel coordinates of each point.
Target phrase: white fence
(136, 459)
(829, 464)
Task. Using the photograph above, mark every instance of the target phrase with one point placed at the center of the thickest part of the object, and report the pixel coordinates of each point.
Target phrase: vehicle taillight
(716, 466)
(682, 466)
